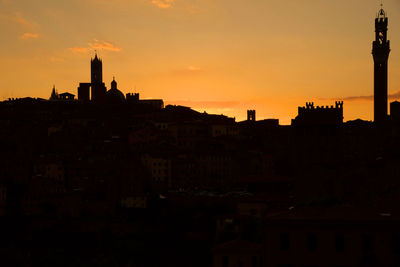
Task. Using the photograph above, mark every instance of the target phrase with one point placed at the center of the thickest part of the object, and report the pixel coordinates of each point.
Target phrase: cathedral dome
(114, 96)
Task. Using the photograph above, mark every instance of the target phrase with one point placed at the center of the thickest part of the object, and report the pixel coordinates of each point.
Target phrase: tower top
(96, 58)
(113, 83)
(381, 14)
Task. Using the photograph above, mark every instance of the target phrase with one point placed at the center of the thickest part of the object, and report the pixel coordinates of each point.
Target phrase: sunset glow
(217, 56)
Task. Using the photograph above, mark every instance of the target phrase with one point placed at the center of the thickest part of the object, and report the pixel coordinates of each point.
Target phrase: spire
(54, 94)
(113, 83)
(96, 58)
(381, 14)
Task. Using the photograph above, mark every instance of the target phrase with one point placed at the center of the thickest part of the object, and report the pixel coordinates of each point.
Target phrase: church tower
(96, 70)
(380, 52)
(98, 87)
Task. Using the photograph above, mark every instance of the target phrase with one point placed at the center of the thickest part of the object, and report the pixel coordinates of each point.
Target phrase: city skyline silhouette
(320, 57)
(98, 173)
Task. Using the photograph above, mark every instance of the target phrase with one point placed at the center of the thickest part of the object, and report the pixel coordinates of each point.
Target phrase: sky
(218, 56)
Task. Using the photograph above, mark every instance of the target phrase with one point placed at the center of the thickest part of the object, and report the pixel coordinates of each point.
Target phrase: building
(334, 237)
(54, 94)
(240, 253)
(395, 110)
(159, 169)
(380, 52)
(114, 96)
(84, 92)
(98, 87)
(311, 115)
(251, 115)
(66, 96)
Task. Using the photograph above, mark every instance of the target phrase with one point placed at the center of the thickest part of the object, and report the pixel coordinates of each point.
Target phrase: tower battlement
(320, 115)
(310, 106)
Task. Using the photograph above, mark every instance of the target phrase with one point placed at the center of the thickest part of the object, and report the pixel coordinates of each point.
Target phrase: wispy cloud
(56, 59)
(395, 95)
(102, 45)
(163, 3)
(29, 35)
(189, 70)
(95, 45)
(78, 49)
(19, 19)
(206, 104)
(193, 68)
(22, 21)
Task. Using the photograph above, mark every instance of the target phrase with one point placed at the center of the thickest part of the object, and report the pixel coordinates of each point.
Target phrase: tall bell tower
(380, 52)
(98, 87)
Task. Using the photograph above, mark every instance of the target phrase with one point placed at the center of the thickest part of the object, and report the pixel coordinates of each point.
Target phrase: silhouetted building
(311, 115)
(114, 96)
(345, 237)
(54, 94)
(395, 110)
(241, 253)
(84, 92)
(380, 52)
(98, 87)
(155, 103)
(132, 98)
(66, 96)
(251, 115)
(96, 70)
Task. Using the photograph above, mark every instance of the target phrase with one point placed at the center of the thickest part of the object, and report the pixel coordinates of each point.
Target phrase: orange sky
(215, 55)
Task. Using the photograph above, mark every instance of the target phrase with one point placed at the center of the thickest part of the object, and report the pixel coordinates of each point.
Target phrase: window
(225, 261)
(339, 242)
(367, 243)
(284, 242)
(312, 241)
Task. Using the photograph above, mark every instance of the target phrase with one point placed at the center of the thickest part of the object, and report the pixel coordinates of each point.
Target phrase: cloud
(193, 68)
(17, 18)
(206, 104)
(78, 49)
(395, 95)
(95, 45)
(164, 4)
(24, 23)
(102, 45)
(29, 35)
(21, 21)
(56, 59)
(189, 70)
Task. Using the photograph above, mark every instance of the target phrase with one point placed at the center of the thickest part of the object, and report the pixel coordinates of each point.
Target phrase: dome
(114, 96)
